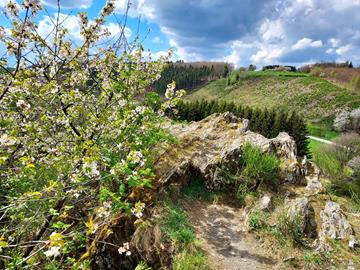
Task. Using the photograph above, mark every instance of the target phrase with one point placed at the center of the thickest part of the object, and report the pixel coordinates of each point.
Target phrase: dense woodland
(269, 123)
(190, 76)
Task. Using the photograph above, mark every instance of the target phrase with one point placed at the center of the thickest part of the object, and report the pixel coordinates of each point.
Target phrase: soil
(222, 236)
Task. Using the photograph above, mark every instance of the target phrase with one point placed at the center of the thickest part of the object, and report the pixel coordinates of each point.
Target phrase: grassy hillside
(317, 99)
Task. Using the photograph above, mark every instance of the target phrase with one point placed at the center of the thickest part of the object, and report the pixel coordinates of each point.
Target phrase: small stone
(353, 242)
(265, 203)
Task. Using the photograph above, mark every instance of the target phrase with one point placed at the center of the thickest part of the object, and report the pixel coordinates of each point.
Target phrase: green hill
(316, 99)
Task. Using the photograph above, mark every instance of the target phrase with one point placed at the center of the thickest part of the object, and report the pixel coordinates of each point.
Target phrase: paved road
(320, 140)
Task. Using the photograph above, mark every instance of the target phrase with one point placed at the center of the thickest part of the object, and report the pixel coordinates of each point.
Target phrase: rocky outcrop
(301, 210)
(210, 146)
(335, 225)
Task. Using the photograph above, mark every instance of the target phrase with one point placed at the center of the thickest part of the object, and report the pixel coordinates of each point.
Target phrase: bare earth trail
(229, 248)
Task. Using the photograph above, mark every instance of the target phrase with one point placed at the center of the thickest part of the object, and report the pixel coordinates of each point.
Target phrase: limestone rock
(301, 208)
(209, 146)
(314, 186)
(335, 225)
(265, 203)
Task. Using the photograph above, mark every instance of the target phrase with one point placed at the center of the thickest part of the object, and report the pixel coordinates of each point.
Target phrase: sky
(242, 32)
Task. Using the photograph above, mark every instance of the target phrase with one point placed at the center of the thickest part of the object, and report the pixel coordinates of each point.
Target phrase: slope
(315, 98)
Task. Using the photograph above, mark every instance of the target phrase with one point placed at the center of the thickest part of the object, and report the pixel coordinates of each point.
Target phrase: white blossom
(22, 104)
(125, 248)
(53, 252)
(91, 168)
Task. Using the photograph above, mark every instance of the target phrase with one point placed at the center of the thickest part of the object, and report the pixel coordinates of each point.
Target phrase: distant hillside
(190, 75)
(317, 99)
(342, 74)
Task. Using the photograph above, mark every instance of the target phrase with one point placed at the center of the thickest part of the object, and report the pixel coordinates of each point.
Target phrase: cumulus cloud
(3, 3)
(68, 3)
(307, 43)
(156, 40)
(72, 23)
(282, 31)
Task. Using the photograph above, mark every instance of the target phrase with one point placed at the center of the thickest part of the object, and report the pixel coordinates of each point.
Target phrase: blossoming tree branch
(77, 131)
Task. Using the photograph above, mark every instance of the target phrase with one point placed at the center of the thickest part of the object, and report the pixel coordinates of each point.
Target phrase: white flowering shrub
(342, 121)
(75, 142)
(347, 121)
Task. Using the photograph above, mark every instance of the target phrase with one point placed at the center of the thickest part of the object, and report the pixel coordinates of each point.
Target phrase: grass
(322, 130)
(196, 189)
(177, 227)
(190, 260)
(314, 97)
(314, 146)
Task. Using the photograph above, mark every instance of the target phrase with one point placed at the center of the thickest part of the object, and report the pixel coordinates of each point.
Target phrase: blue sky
(239, 31)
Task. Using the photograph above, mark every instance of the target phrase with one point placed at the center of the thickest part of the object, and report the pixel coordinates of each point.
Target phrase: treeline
(279, 68)
(269, 123)
(307, 68)
(190, 76)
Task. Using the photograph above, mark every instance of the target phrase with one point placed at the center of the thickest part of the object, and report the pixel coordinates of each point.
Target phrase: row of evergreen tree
(269, 123)
(185, 76)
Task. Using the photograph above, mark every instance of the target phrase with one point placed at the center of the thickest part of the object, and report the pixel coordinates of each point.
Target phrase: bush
(316, 71)
(258, 168)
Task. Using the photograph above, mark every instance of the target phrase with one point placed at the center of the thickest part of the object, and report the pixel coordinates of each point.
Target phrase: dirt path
(229, 248)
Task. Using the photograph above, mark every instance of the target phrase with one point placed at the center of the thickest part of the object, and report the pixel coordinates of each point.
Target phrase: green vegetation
(258, 168)
(313, 97)
(323, 130)
(196, 189)
(266, 122)
(340, 162)
(177, 227)
(189, 76)
(238, 76)
(193, 260)
(256, 219)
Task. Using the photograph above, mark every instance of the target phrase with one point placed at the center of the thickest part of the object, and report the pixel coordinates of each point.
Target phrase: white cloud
(71, 22)
(116, 29)
(307, 43)
(137, 8)
(343, 50)
(3, 3)
(267, 54)
(68, 3)
(272, 30)
(156, 40)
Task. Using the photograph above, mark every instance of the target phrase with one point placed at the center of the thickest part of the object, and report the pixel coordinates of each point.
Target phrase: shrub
(316, 71)
(258, 168)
